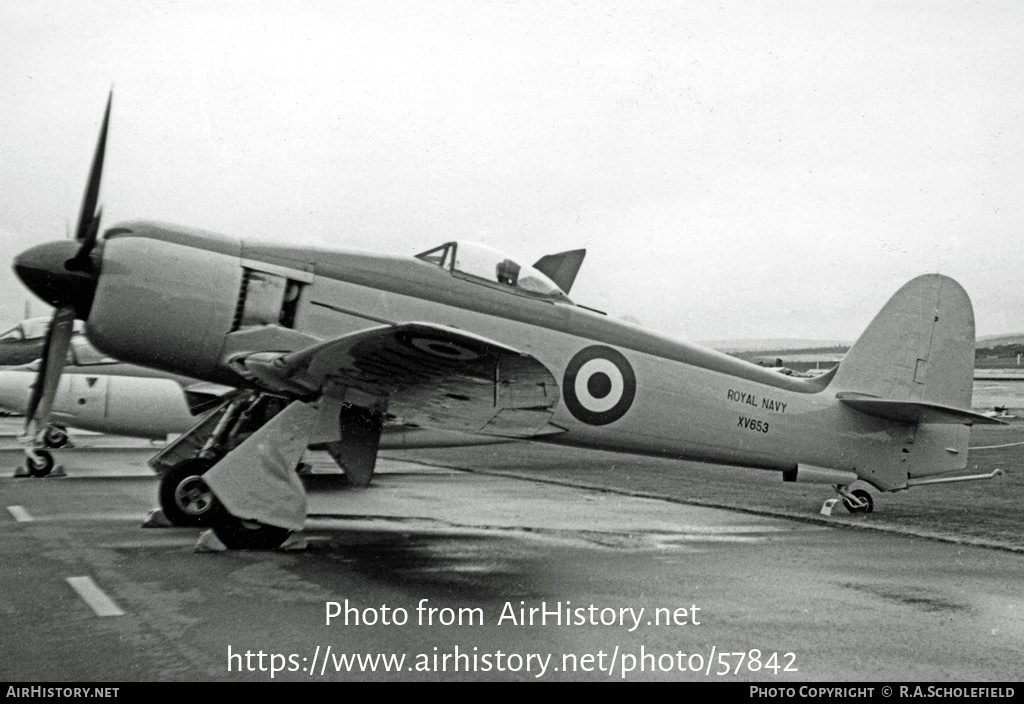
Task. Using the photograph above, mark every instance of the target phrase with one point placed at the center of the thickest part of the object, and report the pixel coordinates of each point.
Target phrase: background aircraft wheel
(863, 496)
(184, 497)
(39, 467)
(239, 534)
(55, 436)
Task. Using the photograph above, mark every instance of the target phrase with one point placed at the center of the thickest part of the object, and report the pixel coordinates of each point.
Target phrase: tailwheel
(241, 534)
(858, 501)
(39, 463)
(185, 498)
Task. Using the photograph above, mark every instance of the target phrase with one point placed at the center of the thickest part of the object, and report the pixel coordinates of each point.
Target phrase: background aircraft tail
(917, 353)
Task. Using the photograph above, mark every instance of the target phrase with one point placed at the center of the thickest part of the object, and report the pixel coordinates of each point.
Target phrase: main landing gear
(260, 498)
(184, 497)
(240, 534)
(237, 471)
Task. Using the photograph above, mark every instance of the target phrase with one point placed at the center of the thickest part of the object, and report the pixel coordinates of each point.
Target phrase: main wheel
(864, 496)
(55, 436)
(240, 534)
(40, 465)
(184, 497)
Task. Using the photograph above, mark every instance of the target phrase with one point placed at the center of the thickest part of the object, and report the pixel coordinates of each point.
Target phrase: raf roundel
(439, 347)
(599, 385)
(443, 348)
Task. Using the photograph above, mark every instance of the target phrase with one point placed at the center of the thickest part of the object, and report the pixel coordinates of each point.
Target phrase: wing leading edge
(420, 375)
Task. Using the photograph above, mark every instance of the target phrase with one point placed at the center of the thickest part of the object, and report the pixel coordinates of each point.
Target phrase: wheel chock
(209, 542)
(826, 509)
(157, 519)
(295, 542)
(21, 471)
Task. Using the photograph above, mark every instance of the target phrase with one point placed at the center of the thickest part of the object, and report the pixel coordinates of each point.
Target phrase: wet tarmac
(467, 576)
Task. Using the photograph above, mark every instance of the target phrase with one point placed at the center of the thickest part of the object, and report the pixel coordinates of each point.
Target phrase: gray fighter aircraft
(335, 344)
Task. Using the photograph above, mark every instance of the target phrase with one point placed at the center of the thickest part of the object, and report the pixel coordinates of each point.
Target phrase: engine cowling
(166, 297)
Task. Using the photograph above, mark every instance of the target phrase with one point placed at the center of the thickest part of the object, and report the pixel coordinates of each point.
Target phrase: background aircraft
(100, 394)
(465, 338)
(23, 343)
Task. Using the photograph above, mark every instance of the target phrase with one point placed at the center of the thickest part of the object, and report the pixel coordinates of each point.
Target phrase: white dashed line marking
(20, 514)
(92, 595)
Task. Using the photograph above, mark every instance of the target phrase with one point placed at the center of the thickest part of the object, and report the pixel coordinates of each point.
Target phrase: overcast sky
(735, 169)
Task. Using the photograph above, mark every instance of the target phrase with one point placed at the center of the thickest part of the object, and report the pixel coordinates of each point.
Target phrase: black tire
(863, 496)
(240, 534)
(40, 466)
(54, 436)
(184, 497)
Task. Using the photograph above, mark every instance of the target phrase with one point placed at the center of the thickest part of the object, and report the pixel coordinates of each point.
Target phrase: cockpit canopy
(481, 262)
(23, 344)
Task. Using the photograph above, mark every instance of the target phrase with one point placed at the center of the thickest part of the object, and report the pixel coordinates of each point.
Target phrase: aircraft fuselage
(188, 301)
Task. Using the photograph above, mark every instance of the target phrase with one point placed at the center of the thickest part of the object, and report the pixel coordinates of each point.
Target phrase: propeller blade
(89, 219)
(55, 352)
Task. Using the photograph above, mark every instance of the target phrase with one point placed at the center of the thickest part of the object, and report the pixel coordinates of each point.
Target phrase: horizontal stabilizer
(913, 411)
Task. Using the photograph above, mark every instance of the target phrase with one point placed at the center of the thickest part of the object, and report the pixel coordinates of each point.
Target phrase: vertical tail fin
(919, 348)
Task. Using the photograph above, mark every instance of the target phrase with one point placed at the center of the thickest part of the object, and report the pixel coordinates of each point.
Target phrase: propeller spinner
(63, 273)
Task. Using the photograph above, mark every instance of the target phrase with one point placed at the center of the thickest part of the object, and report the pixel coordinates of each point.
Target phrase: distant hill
(989, 341)
(773, 346)
(784, 345)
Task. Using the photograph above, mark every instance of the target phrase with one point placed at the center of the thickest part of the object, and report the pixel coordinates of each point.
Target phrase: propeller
(89, 219)
(55, 352)
(64, 273)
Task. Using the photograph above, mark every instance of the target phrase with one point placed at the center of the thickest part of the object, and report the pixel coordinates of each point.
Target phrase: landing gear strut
(184, 497)
(260, 498)
(236, 470)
